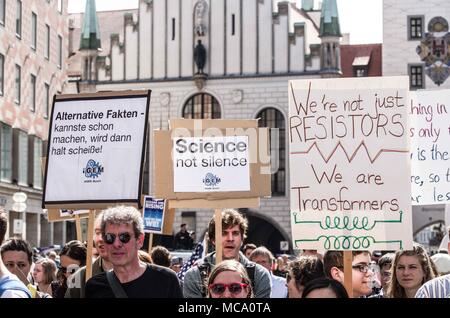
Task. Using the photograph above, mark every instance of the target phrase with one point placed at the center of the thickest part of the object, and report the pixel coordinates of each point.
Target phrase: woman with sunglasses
(72, 257)
(229, 279)
(409, 271)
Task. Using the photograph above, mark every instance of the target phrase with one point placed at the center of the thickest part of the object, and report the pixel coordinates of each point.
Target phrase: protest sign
(211, 164)
(430, 147)
(212, 160)
(96, 150)
(153, 216)
(349, 164)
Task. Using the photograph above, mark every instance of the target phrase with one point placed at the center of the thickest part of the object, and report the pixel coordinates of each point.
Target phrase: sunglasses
(64, 269)
(110, 238)
(233, 288)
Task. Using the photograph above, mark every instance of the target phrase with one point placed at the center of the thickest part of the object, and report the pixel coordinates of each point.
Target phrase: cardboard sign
(349, 164)
(212, 133)
(430, 147)
(96, 150)
(154, 210)
(211, 164)
(71, 213)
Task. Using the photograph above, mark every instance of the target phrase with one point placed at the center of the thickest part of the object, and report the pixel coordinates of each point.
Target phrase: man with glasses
(333, 262)
(123, 233)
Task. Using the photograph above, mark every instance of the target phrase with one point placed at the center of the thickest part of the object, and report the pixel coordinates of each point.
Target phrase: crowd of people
(121, 268)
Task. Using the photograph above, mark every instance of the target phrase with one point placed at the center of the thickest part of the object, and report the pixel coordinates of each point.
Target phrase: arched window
(202, 106)
(273, 118)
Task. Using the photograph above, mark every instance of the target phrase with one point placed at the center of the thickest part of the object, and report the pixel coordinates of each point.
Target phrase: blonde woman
(229, 279)
(44, 273)
(409, 271)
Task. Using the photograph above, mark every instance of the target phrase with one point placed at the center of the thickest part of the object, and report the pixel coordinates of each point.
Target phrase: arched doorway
(264, 232)
(272, 118)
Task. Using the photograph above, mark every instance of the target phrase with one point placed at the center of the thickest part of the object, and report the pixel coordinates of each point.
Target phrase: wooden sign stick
(78, 228)
(150, 242)
(218, 238)
(90, 236)
(348, 273)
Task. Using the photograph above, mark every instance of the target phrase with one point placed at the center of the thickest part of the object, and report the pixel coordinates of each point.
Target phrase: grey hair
(123, 215)
(262, 251)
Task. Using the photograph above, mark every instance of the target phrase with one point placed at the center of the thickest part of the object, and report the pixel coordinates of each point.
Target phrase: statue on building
(200, 15)
(200, 56)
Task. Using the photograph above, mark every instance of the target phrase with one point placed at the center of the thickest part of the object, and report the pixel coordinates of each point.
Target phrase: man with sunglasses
(234, 228)
(123, 233)
(333, 263)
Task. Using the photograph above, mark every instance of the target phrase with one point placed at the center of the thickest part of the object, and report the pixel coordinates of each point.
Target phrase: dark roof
(350, 52)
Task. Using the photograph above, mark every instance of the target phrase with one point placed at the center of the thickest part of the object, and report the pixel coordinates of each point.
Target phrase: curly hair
(305, 269)
(123, 215)
(230, 218)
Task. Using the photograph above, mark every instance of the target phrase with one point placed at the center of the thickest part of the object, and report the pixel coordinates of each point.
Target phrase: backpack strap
(115, 285)
(11, 284)
(250, 267)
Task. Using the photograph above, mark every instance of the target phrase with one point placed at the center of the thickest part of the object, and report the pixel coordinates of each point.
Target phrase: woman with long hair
(409, 271)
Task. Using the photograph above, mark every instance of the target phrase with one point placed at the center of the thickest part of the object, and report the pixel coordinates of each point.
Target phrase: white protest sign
(430, 147)
(349, 164)
(211, 164)
(95, 151)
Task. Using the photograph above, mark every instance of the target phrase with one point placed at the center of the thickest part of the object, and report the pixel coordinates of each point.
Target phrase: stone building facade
(33, 50)
(251, 50)
(416, 42)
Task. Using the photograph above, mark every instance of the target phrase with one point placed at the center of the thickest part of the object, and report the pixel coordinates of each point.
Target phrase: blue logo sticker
(211, 180)
(93, 169)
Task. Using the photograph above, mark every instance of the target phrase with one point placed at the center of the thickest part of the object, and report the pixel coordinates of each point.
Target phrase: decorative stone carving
(237, 96)
(164, 99)
(433, 50)
(200, 16)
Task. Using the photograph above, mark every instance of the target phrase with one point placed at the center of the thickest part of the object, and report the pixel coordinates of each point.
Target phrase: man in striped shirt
(438, 287)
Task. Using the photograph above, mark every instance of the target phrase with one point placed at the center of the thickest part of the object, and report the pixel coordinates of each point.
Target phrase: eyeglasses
(110, 238)
(363, 268)
(73, 269)
(233, 288)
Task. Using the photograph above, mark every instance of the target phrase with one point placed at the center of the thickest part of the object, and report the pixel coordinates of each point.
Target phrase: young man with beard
(123, 235)
(234, 228)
